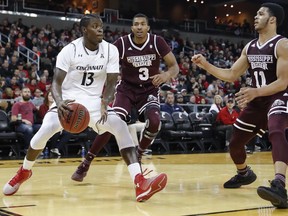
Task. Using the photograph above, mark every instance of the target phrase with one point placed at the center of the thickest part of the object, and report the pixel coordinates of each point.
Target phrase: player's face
(261, 19)
(140, 27)
(94, 31)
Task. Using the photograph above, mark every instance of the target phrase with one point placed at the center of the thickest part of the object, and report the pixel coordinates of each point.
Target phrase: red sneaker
(13, 185)
(145, 188)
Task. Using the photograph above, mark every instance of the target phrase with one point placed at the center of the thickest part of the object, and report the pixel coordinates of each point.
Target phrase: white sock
(134, 169)
(28, 164)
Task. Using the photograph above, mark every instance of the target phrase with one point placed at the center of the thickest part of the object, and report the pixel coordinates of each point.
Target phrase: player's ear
(148, 28)
(84, 29)
(273, 19)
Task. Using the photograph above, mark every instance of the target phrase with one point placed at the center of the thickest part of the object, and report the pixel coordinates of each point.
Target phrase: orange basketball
(77, 120)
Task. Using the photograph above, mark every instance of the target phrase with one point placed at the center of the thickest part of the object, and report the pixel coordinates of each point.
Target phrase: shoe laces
(146, 172)
(16, 179)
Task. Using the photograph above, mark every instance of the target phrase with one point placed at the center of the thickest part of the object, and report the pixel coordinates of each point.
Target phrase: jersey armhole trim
(123, 48)
(275, 48)
(74, 49)
(155, 44)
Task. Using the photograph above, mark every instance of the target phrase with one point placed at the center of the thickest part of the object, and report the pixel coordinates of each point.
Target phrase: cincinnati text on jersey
(90, 67)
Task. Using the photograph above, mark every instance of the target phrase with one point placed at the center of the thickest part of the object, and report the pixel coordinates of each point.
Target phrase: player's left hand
(104, 113)
(245, 95)
(158, 79)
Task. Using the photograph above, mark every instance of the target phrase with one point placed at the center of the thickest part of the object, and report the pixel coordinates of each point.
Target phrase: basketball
(77, 120)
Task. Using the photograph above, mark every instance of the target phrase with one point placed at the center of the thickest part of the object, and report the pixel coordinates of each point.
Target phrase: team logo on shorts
(151, 98)
(278, 102)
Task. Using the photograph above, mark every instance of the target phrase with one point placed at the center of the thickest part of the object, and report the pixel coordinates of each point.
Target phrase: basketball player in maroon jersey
(140, 53)
(266, 59)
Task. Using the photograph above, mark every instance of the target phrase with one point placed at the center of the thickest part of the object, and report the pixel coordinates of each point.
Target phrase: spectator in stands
(14, 83)
(209, 97)
(181, 85)
(20, 41)
(17, 95)
(23, 115)
(38, 99)
(32, 84)
(3, 55)
(217, 105)
(170, 106)
(43, 84)
(28, 41)
(23, 72)
(197, 95)
(179, 98)
(9, 49)
(4, 70)
(192, 84)
(186, 97)
(226, 118)
(13, 62)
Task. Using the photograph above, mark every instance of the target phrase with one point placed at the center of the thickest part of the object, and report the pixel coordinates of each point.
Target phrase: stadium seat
(8, 137)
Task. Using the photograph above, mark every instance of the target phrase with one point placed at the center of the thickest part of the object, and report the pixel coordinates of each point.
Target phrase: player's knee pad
(152, 119)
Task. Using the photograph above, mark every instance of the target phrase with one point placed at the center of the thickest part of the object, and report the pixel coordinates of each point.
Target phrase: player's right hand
(63, 109)
(199, 60)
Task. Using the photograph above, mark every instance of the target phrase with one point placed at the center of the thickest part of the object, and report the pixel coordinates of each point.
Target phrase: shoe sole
(240, 184)
(275, 199)
(155, 187)
(10, 194)
(75, 177)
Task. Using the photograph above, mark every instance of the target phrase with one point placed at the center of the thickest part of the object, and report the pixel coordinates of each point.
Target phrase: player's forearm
(109, 90)
(220, 73)
(56, 92)
(173, 71)
(272, 88)
(108, 94)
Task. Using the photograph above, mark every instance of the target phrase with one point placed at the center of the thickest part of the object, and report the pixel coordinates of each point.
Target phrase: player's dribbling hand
(63, 109)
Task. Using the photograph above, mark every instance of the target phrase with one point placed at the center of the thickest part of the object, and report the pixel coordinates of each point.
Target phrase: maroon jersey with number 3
(138, 63)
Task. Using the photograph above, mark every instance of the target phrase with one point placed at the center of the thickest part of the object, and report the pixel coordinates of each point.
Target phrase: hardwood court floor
(194, 188)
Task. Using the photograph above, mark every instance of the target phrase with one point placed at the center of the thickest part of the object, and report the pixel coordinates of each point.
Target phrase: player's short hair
(86, 19)
(142, 16)
(275, 10)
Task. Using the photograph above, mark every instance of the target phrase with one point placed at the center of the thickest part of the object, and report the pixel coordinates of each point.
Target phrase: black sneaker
(238, 180)
(276, 194)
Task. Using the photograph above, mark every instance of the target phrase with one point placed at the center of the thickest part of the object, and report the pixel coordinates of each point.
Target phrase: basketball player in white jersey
(82, 69)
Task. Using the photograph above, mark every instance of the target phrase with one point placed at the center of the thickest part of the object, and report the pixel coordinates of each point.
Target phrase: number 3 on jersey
(143, 74)
(259, 77)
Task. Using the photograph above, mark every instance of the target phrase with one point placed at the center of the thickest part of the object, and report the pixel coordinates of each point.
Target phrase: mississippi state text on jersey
(141, 62)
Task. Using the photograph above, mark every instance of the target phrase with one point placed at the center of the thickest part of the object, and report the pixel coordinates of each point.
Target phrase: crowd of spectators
(192, 86)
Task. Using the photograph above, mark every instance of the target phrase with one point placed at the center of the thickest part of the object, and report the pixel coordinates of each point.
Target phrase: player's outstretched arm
(228, 75)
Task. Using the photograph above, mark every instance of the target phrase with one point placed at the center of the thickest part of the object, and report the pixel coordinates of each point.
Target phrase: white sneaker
(55, 151)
